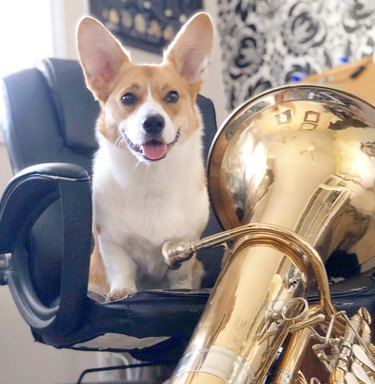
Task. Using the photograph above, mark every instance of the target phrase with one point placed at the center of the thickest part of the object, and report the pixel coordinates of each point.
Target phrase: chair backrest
(49, 116)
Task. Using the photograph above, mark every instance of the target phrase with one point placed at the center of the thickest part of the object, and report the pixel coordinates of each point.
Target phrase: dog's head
(146, 108)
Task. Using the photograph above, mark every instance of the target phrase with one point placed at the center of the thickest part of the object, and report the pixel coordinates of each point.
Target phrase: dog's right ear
(101, 56)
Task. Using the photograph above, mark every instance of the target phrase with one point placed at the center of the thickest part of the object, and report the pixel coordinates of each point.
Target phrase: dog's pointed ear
(101, 56)
(191, 49)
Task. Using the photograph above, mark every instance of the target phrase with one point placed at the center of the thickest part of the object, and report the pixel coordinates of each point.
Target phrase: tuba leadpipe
(291, 176)
(293, 246)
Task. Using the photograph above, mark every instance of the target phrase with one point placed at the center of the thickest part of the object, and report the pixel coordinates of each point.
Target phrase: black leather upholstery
(75, 107)
(36, 115)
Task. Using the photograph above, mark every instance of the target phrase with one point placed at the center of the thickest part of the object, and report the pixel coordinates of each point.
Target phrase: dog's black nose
(154, 124)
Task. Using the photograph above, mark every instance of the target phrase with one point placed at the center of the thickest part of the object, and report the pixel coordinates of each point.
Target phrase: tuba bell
(291, 177)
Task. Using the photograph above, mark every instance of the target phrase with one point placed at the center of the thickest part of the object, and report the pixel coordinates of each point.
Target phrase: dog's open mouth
(153, 149)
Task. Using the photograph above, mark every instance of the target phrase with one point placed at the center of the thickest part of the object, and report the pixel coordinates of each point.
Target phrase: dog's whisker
(138, 163)
(118, 142)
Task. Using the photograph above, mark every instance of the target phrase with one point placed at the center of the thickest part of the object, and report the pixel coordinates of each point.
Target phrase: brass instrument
(292, 180)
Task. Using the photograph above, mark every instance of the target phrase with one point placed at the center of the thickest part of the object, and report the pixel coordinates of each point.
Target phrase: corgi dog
(149, 182)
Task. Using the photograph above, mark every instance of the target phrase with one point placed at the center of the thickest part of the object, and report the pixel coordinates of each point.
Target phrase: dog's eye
(172, 97)
(128, 98)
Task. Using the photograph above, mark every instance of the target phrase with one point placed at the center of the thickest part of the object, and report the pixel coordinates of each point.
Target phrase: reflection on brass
(312, 116)
(284, 117)
(368, 148)
(292, 181)
(320, 170)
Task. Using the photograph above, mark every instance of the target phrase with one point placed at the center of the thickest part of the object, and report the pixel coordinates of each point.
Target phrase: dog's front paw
(119, 293)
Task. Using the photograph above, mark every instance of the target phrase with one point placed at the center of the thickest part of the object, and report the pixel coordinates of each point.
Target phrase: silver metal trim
(217, 361)
(5, 265)
(5, 260)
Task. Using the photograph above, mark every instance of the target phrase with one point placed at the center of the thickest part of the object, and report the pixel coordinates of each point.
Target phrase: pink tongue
(155, 151)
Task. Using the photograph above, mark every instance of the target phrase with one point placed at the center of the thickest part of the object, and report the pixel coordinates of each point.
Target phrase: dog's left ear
(190, 50)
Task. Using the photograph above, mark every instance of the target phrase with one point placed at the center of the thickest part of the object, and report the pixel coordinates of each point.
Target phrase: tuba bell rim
(222, 201)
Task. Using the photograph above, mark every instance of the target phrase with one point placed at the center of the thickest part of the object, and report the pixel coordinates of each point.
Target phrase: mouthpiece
(175, 253)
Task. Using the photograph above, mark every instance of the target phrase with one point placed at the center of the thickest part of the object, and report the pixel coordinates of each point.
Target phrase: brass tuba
(292, 180)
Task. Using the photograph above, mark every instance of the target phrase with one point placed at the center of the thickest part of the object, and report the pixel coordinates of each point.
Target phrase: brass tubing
(293, 356)
(235, 335)
(235, 340)
(302, 254)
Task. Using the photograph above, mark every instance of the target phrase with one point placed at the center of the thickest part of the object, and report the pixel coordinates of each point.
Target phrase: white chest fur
(139, 206)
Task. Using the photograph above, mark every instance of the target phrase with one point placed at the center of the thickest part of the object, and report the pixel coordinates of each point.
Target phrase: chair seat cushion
(156, 325)
(153, 325)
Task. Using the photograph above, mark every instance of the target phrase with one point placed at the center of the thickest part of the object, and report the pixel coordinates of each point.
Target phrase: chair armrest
(26, 197)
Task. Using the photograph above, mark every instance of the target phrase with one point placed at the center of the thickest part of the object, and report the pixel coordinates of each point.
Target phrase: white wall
(21, 360)
(5, 172)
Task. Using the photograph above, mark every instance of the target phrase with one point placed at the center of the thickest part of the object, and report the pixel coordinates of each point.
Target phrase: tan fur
(97, 277)
(158, 79)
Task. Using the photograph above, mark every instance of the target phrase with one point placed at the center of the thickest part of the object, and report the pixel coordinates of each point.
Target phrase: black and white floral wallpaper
(267, 43)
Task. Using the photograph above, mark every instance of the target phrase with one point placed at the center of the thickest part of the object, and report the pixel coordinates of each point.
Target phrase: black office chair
(45, 226)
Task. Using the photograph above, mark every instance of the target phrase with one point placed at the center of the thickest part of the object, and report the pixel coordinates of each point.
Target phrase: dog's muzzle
(153, 149)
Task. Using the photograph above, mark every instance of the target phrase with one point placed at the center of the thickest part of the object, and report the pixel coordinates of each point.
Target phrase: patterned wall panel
(267, 43)
(144, 24)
